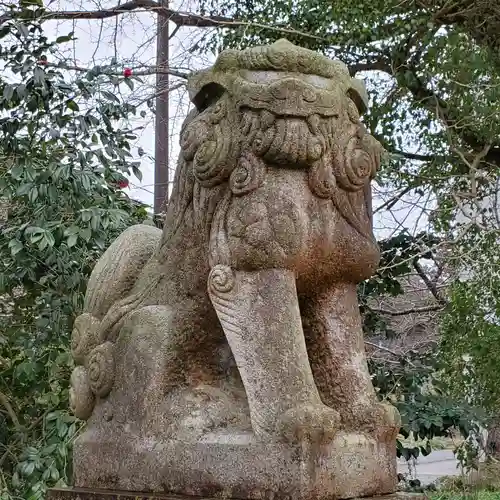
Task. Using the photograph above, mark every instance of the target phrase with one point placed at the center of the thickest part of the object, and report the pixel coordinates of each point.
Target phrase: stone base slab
(89, 494)
(237, 466)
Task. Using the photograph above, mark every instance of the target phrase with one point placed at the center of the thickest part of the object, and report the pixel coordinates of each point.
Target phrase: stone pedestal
(91, 494)
(239, 466)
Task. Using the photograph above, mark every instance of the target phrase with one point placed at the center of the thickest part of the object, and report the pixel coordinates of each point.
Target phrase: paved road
(435, 465)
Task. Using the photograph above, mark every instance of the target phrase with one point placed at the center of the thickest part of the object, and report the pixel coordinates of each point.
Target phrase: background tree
(64, 150)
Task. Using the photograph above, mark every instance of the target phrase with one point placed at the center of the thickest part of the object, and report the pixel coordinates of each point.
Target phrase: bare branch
(165, 90)
(430, 285)
(376, 65)
(178, 18)
(385, 349)
(152, 70)
(392, 201)
(10, 411)
(382, 348)
(414, 156)
(415, 310)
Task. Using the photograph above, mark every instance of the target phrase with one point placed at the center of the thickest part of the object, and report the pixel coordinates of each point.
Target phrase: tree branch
(22, 435)
(414, 156)
(178, 18)
(10, 411)
(433, 102)
(392, 201)
(375, 65)
(385, 349)
(430, 284)
(153, 70)
(382, 348)
(415, 310)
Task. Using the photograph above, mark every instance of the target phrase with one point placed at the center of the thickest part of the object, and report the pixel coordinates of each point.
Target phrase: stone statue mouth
(288, 140)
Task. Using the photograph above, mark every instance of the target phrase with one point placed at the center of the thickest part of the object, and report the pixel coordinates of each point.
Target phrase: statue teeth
(313, 121)
(267, 119)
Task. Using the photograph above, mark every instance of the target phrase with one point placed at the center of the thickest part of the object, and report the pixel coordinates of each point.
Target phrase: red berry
(127, 72)
(122, 184)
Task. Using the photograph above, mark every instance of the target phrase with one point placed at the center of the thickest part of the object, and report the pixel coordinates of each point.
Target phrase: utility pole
(161, 178)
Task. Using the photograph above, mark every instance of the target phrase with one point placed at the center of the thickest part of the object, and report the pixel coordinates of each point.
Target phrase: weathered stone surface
(225, 355)
(93, 494)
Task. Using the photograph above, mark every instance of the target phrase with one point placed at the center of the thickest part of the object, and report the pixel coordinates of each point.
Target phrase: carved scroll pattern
(216, 155)
(95, 371)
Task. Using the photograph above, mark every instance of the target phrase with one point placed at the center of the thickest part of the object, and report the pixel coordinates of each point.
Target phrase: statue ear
(357, 92)
(208, 95)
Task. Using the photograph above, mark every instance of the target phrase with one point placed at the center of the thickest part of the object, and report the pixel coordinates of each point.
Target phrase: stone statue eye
(208, 95)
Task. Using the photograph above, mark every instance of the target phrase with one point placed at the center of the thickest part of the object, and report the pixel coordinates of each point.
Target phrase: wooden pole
(161, 178)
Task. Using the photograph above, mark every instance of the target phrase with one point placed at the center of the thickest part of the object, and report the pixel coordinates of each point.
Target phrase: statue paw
(313, 423)
(382, 418)
(390, 420)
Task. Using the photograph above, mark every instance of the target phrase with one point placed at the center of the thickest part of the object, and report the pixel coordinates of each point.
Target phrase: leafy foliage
(415, 384)
(64, 146)
(471, 328)
(399, 254)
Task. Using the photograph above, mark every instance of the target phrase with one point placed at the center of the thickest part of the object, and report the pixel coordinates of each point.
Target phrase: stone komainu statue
(224, 354)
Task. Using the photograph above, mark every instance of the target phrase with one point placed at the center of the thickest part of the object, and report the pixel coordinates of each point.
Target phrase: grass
(463, 495)
(481, 484)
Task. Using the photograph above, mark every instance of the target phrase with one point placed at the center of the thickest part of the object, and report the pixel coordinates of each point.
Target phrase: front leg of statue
(260, 315)
(335, 343)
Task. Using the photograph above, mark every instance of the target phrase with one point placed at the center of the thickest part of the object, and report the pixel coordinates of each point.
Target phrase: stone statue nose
(293, 90)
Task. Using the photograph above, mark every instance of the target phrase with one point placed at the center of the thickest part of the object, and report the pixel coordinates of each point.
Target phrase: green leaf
(71, 430)
(28, 468)
(54, 473)
(64, 38)
(110, 96)
(95, 221)
(71, 104)
(72, 240)
(24, 189)
(23, 30)
(74, 229)
(8, 92)
(61, 427)
(86, 215)
(61, 447)
(17, 171)
(39, 75)
(129, 83)
(33, 194)
(50, 238)
(15, 246)
(21, 91)
(86, 234)
(137, 172)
